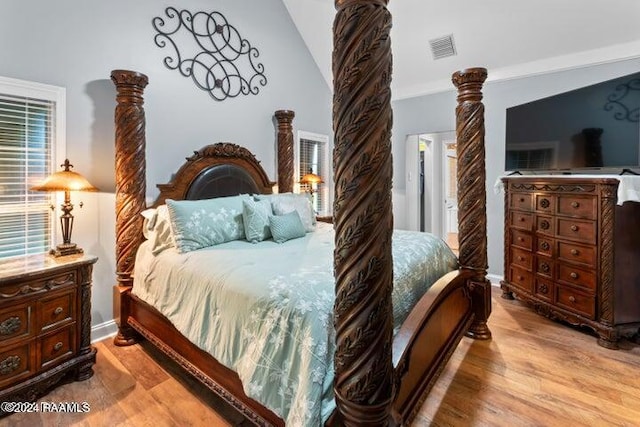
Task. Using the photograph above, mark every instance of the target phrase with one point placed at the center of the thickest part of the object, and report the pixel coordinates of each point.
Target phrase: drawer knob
(544, 224)
(545, 203)
(575, 252)
(575, 205)
(574, 227)
(544, 289)
(573, 275)
(57, 311)
(545, 267)
(520, 278)
(520, 239)
(572, 298)
(9, 365)
(58, 346)
(545, 246)
(10, 325)
(520, 258)
(522, 219)
(521, 199)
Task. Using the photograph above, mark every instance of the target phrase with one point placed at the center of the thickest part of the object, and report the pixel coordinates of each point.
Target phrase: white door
(451, 193)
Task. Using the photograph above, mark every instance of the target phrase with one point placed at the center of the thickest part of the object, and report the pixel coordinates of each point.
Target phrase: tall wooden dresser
(45, 324)
(573, 253)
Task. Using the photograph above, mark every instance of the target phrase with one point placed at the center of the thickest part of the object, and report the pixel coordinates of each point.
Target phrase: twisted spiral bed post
(130, 187)
(285, 150)
(363, 221)
(472, 197)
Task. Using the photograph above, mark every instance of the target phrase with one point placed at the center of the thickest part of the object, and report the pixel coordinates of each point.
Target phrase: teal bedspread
(265, 310)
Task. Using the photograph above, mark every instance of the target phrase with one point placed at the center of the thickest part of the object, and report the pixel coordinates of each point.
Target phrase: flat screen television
(594, 127)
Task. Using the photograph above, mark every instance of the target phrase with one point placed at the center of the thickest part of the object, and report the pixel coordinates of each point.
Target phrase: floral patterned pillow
(196, 224)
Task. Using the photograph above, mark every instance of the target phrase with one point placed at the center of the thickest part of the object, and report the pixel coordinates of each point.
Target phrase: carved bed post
(285, 151)
(363, 219)
(130, 188)
(472, 205)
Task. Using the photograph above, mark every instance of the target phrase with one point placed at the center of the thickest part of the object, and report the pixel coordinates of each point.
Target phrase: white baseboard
(103, 330)
(495, 279)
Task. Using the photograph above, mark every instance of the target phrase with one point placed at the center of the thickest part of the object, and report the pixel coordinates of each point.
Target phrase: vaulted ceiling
(511, 38)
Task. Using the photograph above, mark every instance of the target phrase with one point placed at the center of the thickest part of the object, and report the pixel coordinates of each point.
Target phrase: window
(31, 147)
(313, 157)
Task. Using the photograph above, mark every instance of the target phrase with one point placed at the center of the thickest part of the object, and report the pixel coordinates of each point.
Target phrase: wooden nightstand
(327, 219)
(45, 324)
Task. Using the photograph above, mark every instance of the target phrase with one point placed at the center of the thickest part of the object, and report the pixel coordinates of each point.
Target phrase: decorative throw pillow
(286, 227)
(197, 224)
(255, 215)
(289, 202)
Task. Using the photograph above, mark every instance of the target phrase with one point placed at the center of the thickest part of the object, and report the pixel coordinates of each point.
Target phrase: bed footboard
(426, 341)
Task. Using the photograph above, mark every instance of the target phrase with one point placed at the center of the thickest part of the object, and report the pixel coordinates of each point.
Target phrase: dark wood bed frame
(379, 379)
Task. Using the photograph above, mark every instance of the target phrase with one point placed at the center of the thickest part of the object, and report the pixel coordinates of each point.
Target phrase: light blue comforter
(265, 310)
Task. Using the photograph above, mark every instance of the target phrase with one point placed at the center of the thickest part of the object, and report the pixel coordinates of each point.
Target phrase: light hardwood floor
(534, 372)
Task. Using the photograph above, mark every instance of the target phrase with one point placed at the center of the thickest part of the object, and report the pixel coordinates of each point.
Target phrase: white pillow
(157, 229)
(289, 202)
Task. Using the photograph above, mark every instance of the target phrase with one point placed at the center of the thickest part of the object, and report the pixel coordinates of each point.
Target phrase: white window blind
(314, 158)
(27, 146)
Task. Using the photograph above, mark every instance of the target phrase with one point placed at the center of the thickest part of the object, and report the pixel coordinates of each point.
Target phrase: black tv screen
(592, 127)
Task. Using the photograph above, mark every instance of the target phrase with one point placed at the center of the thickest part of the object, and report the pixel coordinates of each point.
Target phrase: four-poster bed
(380, 379)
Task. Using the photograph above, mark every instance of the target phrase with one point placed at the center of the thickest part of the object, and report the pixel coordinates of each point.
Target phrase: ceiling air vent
(442, 47)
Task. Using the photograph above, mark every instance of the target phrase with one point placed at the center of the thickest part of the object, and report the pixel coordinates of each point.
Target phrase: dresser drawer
(520, 277)
(56, 310)
(579, 207)
(576, 302)
(577, 253)
(58, 346)
(545, 225)
(583, 231)
(16, 362)
(577, 276)
(522, 258)
(15, 323)
(543, 289)
(545, 246)
(521, 220)
(546, 203)
(521, 239)
(521, 201)
(544, 266)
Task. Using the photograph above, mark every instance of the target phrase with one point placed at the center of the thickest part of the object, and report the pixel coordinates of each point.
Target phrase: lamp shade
(311, 178)
(65, 180)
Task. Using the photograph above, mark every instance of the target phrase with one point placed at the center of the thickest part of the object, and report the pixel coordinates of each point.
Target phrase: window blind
(27, 133)
(314, 157)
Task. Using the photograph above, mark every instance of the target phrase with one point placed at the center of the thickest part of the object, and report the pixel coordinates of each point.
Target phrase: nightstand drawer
(56, 310)
(576, 302)
(58, 346)
(545, 203)
(520, 277)
(15, 323)
(545, 246)
(16, 362)
(28, 287)
(521, 239)
(522, 258)
(545, 225)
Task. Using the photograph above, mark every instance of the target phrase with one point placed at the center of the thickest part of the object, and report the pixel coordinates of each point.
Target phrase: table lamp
(67, 181)
(310, 179)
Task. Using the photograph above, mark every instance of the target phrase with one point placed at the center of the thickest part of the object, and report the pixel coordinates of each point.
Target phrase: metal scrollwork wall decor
(621, 101)
(211, 51)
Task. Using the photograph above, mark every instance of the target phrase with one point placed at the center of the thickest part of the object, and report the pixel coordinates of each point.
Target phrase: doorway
(431, 185)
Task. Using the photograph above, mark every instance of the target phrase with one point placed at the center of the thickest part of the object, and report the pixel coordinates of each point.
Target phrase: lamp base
(66, 249)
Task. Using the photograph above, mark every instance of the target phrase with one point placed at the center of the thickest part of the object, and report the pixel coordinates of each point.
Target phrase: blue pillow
(286, 227)
(256, 219)
(197, 224)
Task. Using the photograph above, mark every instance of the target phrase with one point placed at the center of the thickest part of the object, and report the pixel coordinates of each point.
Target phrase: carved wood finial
(130, 181)
(472, 205)
(363, 221)
(285, 150)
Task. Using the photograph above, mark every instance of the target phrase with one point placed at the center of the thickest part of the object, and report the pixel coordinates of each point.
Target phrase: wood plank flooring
(534, 372)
